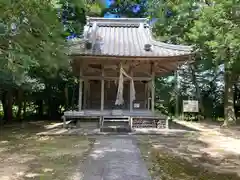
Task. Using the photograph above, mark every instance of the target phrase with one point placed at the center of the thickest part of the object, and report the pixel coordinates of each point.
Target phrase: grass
(23, 155)
(164, 163)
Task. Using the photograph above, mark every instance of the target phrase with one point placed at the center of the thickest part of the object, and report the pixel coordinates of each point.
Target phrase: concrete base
(116, 129)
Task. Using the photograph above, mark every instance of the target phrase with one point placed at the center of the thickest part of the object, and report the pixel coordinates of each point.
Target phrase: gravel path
(115, 158)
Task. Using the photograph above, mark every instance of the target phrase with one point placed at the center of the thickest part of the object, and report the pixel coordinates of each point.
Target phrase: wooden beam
(115, 78)
(102, 90)
(131, 58)
(165, 64)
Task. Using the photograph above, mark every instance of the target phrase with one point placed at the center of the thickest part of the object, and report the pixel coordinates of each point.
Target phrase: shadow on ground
(174, 125)
(187, 157)
(23, 155)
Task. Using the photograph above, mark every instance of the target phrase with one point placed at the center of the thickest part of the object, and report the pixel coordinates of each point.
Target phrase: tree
(35, 71)
(214, 29)
(217, 31)
(72, 13)
(175, 19)
(33, 38)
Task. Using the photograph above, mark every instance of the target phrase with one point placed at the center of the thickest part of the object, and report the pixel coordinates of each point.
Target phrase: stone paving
(115, 158)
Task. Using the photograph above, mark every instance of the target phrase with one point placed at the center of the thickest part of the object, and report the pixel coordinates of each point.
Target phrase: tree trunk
(20, 98)
(55, 111)
(40, 108)
(4, 103)
(24, 108)
(7, 106)
(48, 108)
(198, 91)
(10, 104)
(237, 101)
(66, 97)
(229, 111)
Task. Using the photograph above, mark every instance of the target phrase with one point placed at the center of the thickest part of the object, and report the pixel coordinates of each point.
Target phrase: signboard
(136, 105)
(190, 106)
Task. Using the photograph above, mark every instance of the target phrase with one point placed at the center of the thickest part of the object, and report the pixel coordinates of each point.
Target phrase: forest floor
(214, 127)
(207, 154)
(23, 155)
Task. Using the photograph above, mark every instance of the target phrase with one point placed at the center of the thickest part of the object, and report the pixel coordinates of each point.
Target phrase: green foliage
(32, 41)
(217, 31)
(72, 14)
(126, 8)
(175, 18)
(95, 8)
(214, 30)
(165, 100)
(33, 38)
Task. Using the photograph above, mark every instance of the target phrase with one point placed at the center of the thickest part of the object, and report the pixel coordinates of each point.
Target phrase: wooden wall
(94, 94)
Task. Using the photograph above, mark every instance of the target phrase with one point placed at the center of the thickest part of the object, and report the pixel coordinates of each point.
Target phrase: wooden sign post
(190, 106)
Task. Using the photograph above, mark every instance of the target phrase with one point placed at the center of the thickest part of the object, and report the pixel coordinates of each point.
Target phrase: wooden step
(116, 120)
(115, 124)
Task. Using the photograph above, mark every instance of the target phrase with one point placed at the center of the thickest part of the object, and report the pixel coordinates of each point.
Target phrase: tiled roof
(123, 37)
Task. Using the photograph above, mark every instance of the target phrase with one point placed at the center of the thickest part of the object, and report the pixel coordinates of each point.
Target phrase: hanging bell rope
(119, 98)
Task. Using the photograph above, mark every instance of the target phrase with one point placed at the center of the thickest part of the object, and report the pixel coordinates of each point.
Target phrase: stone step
(115, 124)
(116, 120)
(117, 129)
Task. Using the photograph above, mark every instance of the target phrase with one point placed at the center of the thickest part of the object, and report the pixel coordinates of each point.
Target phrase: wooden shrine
(117, 60)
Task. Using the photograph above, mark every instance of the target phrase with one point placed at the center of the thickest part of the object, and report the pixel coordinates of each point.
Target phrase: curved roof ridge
(172, 46)
(168, 45)
(117, 20)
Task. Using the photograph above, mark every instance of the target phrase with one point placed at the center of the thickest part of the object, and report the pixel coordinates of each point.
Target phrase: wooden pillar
(85, 93)
(153, 89)
(89, 94)
(131, 92)
(146, 95)
(102, 90)
(149, 95)
(176, 94)
(80, 89)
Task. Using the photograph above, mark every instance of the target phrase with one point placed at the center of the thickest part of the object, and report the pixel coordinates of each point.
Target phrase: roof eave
(187, 49)
(139, 57)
